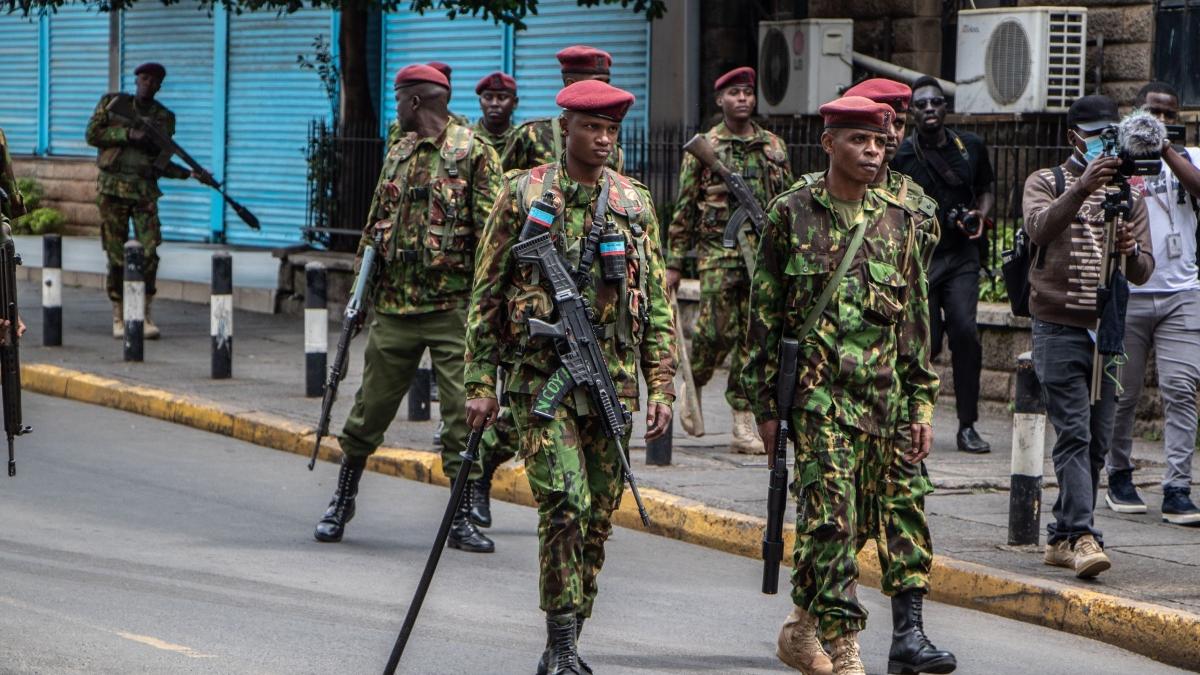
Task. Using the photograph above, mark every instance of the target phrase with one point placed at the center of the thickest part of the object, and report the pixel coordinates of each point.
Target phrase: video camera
(1137, 141)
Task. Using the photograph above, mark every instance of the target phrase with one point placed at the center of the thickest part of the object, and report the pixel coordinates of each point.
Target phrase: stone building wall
(69, 184)
(905, 32)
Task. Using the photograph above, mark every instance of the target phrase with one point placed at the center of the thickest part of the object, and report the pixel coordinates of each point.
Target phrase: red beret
(584, 60)
(443, 68)
(880, 90)
(856, 112)
(595, 97)
(737, 76)
(151, 68)
(419, 72)
(496, 81)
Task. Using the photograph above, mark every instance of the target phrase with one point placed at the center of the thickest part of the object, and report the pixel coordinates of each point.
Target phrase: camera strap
(940, 167)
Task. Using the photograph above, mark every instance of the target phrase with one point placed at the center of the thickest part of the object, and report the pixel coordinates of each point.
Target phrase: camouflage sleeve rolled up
(487, 316)
(658, 343)
(682, 232)
(102, 131)
(768, 293)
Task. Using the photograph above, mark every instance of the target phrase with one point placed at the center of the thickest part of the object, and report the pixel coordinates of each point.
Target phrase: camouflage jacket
(15, 205)
(127, 168)
(395, 132)
(703, 206)
(497, 141)
(634, 318)
(539, 142)
(875, 328)
(436, 193)
(912, 195)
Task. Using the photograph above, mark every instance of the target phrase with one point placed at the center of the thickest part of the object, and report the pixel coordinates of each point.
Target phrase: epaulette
(927, 206)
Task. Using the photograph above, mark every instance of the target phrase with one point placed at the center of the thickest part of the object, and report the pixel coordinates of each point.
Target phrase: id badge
(1174, 246)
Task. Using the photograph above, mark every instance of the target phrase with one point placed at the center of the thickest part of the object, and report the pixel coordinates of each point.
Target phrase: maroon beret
(881, 90)
(419, 72)
(496, 81)
(857, 112)
(151, 68)
(443, 68)
(595, 97)
(584, 60)
(737, 76)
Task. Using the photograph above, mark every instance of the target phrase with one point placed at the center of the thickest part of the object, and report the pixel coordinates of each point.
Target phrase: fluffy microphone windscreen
(1141, 134)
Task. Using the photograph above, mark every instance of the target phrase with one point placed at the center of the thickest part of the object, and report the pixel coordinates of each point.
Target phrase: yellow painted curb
(1161, 633)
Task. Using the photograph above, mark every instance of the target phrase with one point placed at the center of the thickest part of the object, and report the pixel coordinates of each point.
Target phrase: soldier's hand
(137, 136)
(658, 420)
(673, 278)
(922, 443)
(768, 431)
(482, 412)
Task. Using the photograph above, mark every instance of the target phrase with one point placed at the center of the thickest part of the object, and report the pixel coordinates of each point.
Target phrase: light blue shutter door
(471, 46)
(270, 104)
(19, 104)
(78, 75)
(561, 23)
(181, 39)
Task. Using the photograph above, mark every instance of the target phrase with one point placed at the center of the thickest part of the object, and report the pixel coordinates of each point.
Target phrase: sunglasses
(935, 102)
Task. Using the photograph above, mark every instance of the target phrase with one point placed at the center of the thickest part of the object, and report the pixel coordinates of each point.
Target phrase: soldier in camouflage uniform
(701, 213)
(849, 397)
(394, 129)
(14, 205)
(128, 186)
(571, 466)
(903, 542)
(434, 192)
(540, 141)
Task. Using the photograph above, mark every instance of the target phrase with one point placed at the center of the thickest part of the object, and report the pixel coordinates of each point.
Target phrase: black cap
(150, 68)
(1093, 113)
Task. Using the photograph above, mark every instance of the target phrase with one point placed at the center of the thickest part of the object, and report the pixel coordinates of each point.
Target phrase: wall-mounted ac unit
(1019, 60)
(802, 64)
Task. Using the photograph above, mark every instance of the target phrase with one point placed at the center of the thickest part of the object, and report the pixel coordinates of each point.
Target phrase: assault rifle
(583, 364)
(121, 108)
(10, 353)
(789, 350)
(748, 208)
(353, 318)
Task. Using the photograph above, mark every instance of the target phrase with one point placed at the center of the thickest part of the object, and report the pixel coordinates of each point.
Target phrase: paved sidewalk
(1152, 561)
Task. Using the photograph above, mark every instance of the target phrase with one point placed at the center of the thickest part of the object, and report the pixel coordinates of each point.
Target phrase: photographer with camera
(1164, 312)
(954, 169)
(1066, 218)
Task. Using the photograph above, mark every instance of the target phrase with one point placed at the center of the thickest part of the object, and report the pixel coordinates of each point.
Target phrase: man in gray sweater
(1065, 219)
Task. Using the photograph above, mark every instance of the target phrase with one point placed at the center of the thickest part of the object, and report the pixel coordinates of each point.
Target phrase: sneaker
(1059, 555)
(1089, 557)
(1178, 508)
(1122, 496)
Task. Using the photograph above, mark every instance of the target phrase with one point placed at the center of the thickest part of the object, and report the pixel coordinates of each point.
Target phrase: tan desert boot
(118, 321)
(745, 435)
(846, 659)
(149, 330)
(799, 646)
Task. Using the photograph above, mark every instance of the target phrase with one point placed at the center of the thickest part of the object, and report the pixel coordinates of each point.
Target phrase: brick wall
(69, 184)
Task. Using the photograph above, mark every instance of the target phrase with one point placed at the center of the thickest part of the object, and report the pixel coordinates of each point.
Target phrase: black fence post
(134, 294)
(1028, 456)
(52, 290)
(221, 302)
(316, 328)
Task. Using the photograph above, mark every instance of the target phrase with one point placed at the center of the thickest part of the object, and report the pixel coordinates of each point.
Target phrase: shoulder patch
(623, 195)
(403, 147)
(457, 145)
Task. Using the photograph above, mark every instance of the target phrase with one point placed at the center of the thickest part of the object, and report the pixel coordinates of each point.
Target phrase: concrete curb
(1164, 634)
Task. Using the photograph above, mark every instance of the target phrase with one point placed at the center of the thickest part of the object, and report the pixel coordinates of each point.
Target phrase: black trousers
(953, 300)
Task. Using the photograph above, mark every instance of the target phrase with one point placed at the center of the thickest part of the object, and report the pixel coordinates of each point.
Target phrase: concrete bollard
(52, 290)
(658, 451)
(221, 325)
(419, 391)
(134, 294)
(316, 328)
(1028, 456)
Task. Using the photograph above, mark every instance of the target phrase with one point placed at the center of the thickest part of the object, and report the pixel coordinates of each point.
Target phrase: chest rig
(445, 242)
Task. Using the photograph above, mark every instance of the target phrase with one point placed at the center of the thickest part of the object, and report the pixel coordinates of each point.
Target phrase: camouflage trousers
(576, 479)
(115, 214)
(838, 474)
(902, 541)
(499, 443)
(721, 329)
(395, 345)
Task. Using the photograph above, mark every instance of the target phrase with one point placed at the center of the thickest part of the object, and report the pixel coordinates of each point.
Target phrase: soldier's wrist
(480, 390)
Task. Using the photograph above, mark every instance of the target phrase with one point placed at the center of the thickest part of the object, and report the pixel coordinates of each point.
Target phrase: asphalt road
(130, 545)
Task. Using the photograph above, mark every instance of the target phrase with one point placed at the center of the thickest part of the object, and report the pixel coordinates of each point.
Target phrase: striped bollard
(52, 290)
(221, 324)
(134, 294)
(418, 391)
(1028, 456)
(316, 328)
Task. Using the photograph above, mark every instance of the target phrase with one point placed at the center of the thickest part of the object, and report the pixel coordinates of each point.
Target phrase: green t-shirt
(847, 211)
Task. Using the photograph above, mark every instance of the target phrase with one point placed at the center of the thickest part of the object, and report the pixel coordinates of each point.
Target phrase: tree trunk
(356, 112)
(360, 152)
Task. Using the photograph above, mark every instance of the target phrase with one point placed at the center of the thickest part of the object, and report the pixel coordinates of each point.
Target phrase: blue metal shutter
(471, 46)
(19, 104)
(78, 75)
(270, 104)
(180, 38)
(562, 23)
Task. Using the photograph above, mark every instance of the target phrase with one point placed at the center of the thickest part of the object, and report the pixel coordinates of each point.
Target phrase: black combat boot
(561, 657)
(464, 536)
(541, 669)
(911, 651)
(341, 507)
(481, 497)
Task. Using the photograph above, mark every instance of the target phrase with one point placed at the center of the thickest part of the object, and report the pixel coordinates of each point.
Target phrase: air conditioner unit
(802, 64)
(1020, 60)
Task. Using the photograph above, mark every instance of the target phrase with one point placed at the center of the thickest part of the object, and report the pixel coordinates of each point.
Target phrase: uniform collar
(573, 192)
(873, 202)
(438, 140)
(722, 133)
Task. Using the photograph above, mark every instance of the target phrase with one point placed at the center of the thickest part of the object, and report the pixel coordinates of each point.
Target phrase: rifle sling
(834, 282)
